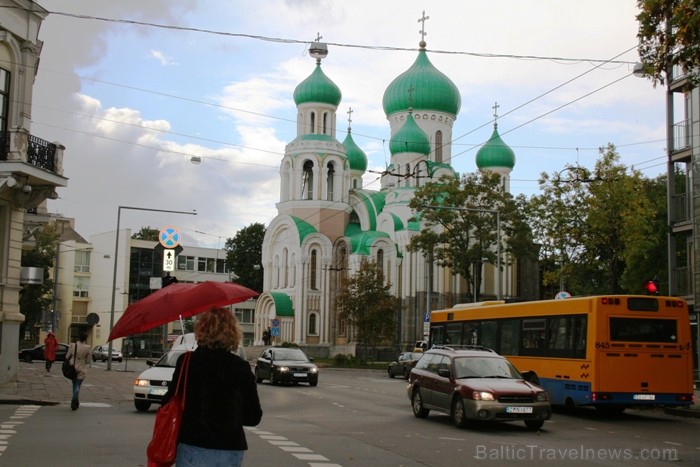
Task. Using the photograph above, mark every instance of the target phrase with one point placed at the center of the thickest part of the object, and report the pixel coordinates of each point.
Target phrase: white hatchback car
(152, 384)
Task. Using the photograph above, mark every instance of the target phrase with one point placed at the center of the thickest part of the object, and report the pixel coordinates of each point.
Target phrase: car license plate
(158, 392)
(300, 375)
(518, 409)
(644, 397)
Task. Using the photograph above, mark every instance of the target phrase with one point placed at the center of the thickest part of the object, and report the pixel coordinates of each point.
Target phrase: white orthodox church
(327, 222)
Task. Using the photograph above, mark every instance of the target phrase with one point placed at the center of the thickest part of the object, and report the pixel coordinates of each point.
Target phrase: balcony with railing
(680, 208)
(680, 139)
(681, 286)
(30, 159)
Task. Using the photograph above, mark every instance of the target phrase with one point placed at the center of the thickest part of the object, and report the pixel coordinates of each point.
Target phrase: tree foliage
(459, 223)
(35, 300)
(244, 256)
(147, 233)
(669, 34)
(367, 304)
(601, 231)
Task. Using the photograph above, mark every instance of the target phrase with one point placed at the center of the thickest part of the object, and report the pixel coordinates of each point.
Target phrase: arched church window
(313, 270)
(325, 123)
(408, 174)
(330, 177)
(438, 146)
(313, 326)
(313, 122)
(307, 182)
(380, 261)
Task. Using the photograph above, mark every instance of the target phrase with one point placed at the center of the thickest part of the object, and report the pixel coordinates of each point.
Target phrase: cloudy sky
(134, 89)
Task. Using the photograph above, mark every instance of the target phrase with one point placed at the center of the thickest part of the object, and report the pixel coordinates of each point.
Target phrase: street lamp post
(116, 262)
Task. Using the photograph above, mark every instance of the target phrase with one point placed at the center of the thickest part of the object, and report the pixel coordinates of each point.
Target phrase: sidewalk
(37, 386)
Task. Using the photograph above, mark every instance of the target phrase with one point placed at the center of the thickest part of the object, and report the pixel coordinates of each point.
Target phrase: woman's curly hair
(218, 329)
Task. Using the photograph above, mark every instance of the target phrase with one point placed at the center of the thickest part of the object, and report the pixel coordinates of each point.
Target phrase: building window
(329, 181)
(4, 98)
(307, 185)
(325, 123)
(313, 318)
(82, 261)
(81, 286)
(380, 262)
(313, 122)
(438, 146)
(313, 269)
(185, 263)
(244, 315)
(221, 266)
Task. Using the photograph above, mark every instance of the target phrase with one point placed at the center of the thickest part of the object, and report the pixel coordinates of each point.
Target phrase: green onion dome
(317, 88)
(356, 156)
(495, 153)
(410, 138)
(431, 90)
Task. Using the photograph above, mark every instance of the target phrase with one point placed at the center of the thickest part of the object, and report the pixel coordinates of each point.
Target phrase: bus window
(533, 336)
(643, 330)
(437, 335)
(454, 334)
(510, 337)
(567, 336)
(489, 331)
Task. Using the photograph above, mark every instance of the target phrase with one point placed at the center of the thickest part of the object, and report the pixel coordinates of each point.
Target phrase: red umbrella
(180, 300)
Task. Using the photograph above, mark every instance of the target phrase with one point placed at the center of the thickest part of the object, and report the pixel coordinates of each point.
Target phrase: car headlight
(542, 397)
(142, 382)
(313, 370)
(482, 396)
(283, 369)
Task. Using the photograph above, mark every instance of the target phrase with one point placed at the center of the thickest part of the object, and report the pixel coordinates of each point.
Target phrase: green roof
(410, 138)
(303, 228)
(356, 156)
(361, 243)
(495, 153)
(317, 88)
(430, 90)
(283, 304)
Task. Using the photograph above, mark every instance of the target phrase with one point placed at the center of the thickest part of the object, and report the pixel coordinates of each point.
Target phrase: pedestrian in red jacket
(50, 346)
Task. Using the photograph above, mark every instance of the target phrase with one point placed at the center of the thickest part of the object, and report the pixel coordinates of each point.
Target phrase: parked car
(37, 353)
(403, 365)
(152, 384)
(101, 352)
(475, 383)
(285, 365)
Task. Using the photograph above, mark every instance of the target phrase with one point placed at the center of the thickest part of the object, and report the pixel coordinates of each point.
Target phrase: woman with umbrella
(221, 395)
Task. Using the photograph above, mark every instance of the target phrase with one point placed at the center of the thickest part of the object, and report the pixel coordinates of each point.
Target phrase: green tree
(669, 34)
(35, 300)
(244, 255)
(147, 233)
(459, 224)
(601, 231)
(367, 304)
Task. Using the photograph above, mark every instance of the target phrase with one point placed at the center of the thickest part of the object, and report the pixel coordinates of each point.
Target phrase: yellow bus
(610, 352)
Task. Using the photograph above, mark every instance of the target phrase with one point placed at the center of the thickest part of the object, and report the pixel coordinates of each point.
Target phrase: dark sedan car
(285, 365)
(402, 366)
(37, 353)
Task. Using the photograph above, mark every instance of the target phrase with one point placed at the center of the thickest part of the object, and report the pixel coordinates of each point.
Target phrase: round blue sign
(169, 237)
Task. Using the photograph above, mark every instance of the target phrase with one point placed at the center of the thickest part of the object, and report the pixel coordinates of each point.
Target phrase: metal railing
(681, 136)
(681, 207)
(40, 153)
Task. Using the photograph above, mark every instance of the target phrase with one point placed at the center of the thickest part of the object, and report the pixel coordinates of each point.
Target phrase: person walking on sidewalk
(80, 353)
(50, 346)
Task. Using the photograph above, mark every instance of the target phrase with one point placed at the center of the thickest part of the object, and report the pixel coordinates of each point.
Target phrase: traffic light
(167, 280)
(652, 287)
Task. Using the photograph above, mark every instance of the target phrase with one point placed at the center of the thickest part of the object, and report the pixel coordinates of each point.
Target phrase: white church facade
(327, 222)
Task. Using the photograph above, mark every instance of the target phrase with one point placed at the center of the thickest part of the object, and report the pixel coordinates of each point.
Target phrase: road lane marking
(22, 412)
(293, 448)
